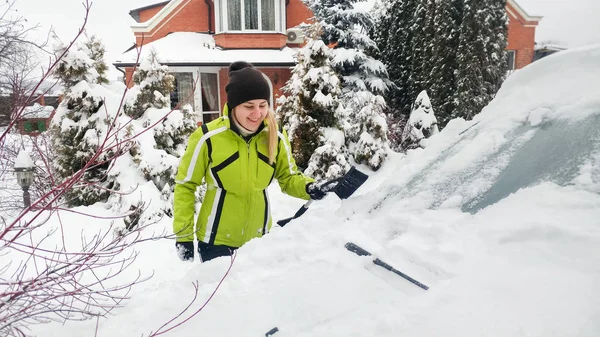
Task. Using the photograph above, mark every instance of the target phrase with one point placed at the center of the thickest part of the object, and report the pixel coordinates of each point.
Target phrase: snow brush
(362, 252)
(343, 187)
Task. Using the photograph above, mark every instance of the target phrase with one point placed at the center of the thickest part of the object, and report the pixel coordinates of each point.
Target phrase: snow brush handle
(301, 211)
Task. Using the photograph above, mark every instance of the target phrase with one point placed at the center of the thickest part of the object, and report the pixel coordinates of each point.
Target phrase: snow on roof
(186, 48)
(549, 46)
(37, 111)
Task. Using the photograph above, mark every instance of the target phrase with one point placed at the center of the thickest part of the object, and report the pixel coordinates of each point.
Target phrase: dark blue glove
(315, 191)
(185, 250)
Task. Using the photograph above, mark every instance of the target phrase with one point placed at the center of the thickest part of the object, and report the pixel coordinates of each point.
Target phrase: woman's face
(250, 114)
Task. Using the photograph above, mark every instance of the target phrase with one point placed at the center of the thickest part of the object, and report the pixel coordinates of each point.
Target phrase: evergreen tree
(422, 31)
(470, 93)
(378, 34)
(480, 55)
(310, 110)
(78, 126)
(448, 19)
(148, 103)
(153, 84)
(496, 29)
(96, 50)
(364, 79)
(398, 54)
(369, 132)
(422, 123)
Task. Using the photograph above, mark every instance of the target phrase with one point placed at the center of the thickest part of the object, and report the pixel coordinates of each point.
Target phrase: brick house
(521, 35)
(198, 39)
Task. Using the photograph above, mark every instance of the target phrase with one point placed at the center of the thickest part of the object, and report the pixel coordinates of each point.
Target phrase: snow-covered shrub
(155, 154)
(79, 125)
(421, 124)
(96, 50)
(332, 152)
(370, 143)
(311, 103)
(364, 79)
(153, 84)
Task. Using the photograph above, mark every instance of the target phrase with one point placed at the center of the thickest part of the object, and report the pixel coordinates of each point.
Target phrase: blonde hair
(271, 131)
(273, 137)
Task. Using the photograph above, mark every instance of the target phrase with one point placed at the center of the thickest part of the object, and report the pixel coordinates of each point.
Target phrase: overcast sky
(571, 22)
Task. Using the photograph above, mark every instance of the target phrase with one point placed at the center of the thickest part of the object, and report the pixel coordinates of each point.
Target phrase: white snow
(193, 48)
(37, 111)
(528, 264)
(23, 160)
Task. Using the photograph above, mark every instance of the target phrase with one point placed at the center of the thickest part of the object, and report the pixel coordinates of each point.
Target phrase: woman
(238, 155)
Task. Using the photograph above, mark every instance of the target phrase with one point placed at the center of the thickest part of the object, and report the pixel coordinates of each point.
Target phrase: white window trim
(199, 95)
(514, 63)
(196, 71)
(222, 25)
(270, 90)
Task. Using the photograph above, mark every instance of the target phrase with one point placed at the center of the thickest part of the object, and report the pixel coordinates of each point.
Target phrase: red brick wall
(21, 124)
(191, 16)
(147, 14)
(128, 75)
(296, 13)
(269, 40)
(521, 39)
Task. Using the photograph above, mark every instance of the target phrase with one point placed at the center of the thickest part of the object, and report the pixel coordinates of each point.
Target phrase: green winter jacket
(237, 173)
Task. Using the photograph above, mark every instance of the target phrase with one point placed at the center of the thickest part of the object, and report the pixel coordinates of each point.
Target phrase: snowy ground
(526, 263)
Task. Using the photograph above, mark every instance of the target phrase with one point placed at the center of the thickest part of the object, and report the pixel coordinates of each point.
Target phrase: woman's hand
(315, 191)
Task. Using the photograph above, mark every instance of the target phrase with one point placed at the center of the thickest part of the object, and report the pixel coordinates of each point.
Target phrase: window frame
(512, 66)
(221, 15)
(196, 71)
(218, 111)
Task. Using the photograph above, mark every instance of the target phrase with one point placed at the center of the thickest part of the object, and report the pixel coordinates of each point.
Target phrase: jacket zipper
(248, 203)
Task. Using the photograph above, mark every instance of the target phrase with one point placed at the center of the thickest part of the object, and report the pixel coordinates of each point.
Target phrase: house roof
(523, 13)
(198, 49)
(135, 13)
(143, 27)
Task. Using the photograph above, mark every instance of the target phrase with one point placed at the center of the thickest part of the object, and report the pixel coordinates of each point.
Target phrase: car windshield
(553, 151)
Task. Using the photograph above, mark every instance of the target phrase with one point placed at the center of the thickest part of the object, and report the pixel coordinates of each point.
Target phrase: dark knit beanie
(245, 83)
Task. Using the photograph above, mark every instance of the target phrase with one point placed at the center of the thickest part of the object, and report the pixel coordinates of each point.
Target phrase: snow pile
(526, 264)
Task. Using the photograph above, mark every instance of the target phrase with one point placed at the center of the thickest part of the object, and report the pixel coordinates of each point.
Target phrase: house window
(243, 15)
(33, 126)
(510, 56)
(209, 88)
(184, 90)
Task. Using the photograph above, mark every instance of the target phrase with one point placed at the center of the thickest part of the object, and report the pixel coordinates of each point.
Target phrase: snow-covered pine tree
(96, 52)
(397, 54)
(422, 31)
(471, 95)
(380, 36)
(148, 103)
(153, 84)
(370, 143)
(310, 110)
(496, 27)
(448, 19)
(364, 79)
(422, 123)
(480, 56)
(76, 130)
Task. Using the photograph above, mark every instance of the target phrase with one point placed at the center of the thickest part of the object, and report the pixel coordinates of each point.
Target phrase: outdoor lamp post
(24, 169)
